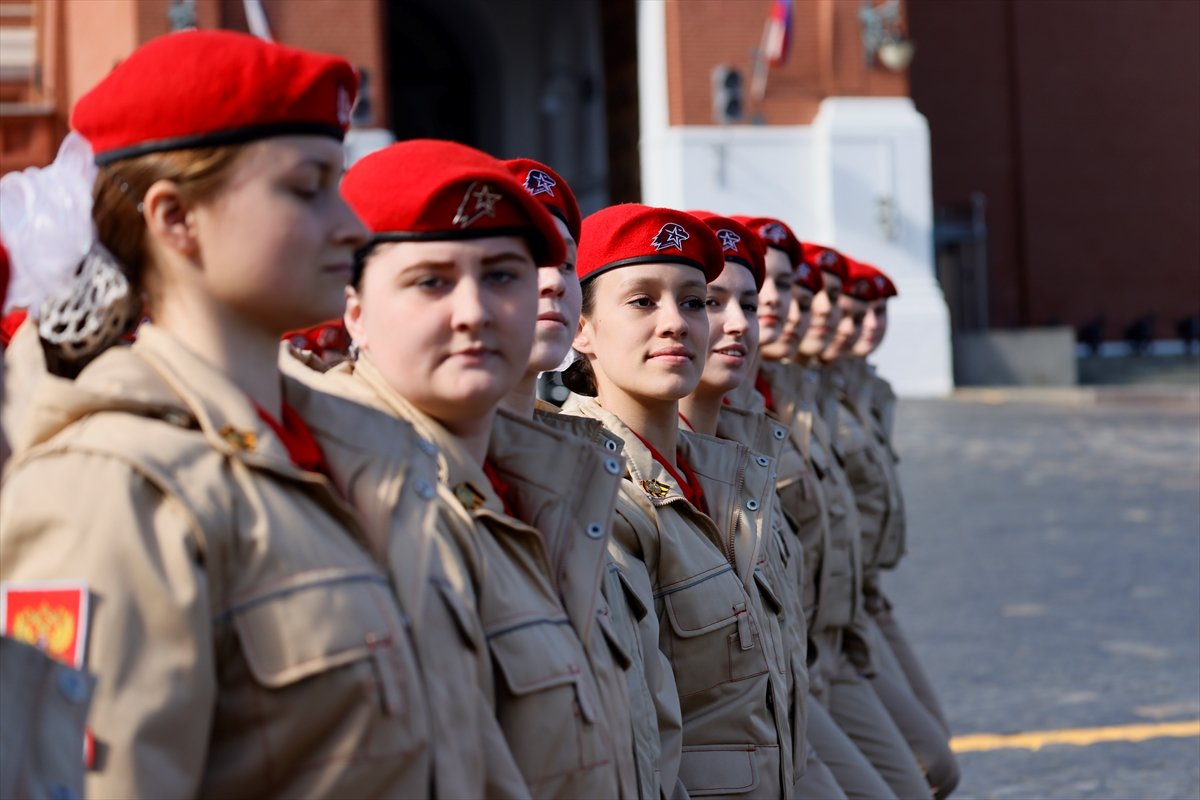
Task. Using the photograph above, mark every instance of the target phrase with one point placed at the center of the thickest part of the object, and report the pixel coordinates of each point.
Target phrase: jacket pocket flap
(705, 606)
(637, 606)
(315, 625)
(620, 655)
(770, 598)
(464, 620)
(534, 657)
(718, 769)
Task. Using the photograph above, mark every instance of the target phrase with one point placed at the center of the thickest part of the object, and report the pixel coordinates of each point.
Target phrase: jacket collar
(736, 485)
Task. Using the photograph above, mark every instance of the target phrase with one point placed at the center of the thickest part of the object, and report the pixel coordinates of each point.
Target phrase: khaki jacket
(244, 640)
(880, 400)
(412, 528)
(41, 729)
(871, 469)
(708, 597)
(839, 609)
(548, 699)
(781, 557)
(653, 703)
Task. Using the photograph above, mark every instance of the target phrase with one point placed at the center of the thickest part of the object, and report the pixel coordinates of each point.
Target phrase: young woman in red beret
(442, 310)
(691, 507)
(166, 522)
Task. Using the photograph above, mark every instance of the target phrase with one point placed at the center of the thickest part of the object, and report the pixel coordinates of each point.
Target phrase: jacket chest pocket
(328, 650)
(547, 701)
(712, 637)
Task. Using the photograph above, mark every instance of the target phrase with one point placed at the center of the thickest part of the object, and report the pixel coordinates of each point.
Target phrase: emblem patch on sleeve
(51, 615)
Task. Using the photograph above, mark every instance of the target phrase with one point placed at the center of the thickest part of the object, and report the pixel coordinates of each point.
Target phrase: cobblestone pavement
(1053, 581)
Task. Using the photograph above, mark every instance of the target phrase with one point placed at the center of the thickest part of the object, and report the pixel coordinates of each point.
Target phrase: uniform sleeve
(93, 519)
(635, 550)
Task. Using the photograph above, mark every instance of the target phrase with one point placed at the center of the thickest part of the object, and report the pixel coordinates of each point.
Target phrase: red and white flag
(778, 35)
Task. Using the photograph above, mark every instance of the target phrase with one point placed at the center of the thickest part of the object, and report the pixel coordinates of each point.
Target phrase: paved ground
(1053, 581)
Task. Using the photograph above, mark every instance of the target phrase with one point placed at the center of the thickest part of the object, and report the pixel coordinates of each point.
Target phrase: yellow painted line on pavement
(1035, 740)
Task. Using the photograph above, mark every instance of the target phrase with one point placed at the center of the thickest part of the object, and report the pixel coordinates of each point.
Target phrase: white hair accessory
(92, 311)
(46, 223)
(570, 358)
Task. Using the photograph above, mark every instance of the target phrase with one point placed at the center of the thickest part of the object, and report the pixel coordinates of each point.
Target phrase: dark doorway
(430, 78)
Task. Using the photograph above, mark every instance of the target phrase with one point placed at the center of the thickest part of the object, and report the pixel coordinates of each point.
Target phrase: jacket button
(60, 792)
(610, 445)
(612, 467)
(72, 685)
(762, 461)
(424, 490)
(779, 433)
(752, 505)
(427, 447)
(595, 530)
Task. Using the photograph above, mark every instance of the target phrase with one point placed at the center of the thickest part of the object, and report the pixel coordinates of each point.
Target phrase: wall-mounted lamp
(883, 35)
(182, 15)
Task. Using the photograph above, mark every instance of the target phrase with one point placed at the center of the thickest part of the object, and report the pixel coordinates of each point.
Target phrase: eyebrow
(508, 255)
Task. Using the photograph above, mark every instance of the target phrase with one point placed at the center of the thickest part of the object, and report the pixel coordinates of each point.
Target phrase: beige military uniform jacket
(871, 469)
(781, 558)
(700, 571)
(412, 528)
(548, 699)
(43, 707)
(657, 727)
(824, 512)
(245, 642)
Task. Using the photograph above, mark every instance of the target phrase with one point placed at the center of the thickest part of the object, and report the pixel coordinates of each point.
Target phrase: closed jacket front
(708, 596)
(244, 640)
(547, 697)
(410, 527)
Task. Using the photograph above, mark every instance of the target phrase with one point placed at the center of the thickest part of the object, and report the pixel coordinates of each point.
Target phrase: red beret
(549, 189)
(330, 335)
(433, 190)
(883, 286)
(775, 233)
(809, 278)
(631, 233)
(822, 258)
(207, 88)
(738, 243)
(860, 283)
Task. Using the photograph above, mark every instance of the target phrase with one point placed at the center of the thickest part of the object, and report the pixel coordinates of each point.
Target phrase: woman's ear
(583, 338)
(353, 318)
(169, 218)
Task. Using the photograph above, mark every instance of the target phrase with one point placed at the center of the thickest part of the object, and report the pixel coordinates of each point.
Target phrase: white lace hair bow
(46, 224)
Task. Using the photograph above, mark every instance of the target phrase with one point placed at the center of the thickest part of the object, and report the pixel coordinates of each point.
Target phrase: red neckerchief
(302, 447)
(692, 490)
(500, 487)
(764, 388)
(687, 422)
(9, 325)
(725, 401)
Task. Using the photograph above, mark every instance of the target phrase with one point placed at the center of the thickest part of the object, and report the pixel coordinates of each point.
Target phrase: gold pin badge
(241, 440)
(655, 488)
(468, 496)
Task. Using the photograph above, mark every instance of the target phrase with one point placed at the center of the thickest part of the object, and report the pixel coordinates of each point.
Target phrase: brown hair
(579, 377)
(121, 186)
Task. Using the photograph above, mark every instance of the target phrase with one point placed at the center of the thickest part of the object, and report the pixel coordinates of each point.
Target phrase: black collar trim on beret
(223, 138)
(654, 259)
(739, 260)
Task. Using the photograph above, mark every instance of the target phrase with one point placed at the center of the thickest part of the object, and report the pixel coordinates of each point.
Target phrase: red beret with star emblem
(432, 190)
(774, 233)
(208, 88)
(881, 284)
(860, 281)
(825, 259)
(738, 244)
(630, 233)
(548, 188)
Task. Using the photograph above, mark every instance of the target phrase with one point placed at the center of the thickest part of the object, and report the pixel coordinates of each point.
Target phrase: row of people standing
(403, 574)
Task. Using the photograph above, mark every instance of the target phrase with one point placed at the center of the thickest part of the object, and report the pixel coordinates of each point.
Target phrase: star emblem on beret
(773, 232)
(671, 235)
(539, 182)
(482, 202)
(729, 239)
